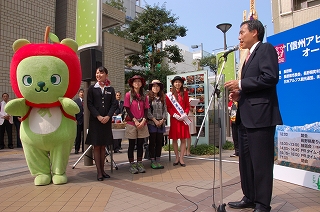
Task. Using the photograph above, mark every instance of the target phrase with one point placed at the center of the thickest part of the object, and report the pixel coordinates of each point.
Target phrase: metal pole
(225, 41)
(226, 96)
(87, 160)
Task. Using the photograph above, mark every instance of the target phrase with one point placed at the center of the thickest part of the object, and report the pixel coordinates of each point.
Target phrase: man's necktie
(243, 64)
(248, 56)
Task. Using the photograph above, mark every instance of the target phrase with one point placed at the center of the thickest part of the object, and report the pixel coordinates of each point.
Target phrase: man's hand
(232, 85)
(234, 96)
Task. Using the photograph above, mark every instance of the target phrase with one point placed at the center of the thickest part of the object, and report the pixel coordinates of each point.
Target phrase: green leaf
(54, 38)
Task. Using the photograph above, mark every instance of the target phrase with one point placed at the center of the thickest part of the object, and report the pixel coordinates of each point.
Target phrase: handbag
(126, 116)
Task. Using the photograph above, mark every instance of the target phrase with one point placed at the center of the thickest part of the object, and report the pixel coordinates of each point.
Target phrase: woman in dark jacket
(101, 103)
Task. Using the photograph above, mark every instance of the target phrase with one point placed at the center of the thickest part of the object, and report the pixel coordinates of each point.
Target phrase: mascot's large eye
(55, 79)
(27, 80)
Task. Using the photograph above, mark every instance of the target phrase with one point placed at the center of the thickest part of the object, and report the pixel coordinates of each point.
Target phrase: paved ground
(173, 188)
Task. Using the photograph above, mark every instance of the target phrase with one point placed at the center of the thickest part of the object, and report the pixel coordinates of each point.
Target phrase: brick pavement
(173, 188)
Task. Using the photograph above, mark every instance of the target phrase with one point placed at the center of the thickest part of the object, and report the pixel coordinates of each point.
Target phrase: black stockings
(99, 153)
(132, 142)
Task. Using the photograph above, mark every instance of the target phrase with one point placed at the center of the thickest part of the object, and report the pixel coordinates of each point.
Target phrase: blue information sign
(299, 62)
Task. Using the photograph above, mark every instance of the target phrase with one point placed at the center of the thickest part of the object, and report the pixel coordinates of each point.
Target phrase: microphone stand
(221, 207)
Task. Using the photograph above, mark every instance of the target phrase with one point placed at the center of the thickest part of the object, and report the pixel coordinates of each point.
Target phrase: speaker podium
(90, 60)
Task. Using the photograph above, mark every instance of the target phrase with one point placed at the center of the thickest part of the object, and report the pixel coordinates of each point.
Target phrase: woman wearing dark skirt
(101, 102)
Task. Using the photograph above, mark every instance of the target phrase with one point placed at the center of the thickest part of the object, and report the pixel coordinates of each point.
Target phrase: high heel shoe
(183, 164)
(176, 163)
(105, 175)
(100, 178)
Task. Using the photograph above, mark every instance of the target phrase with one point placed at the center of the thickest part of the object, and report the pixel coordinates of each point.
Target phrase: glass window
(302, 4)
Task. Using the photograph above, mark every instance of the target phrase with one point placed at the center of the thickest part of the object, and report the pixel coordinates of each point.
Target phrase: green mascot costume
(45, 77)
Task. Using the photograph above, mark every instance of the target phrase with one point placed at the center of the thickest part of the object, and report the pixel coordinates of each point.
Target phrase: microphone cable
(214, 157)
(195, 203)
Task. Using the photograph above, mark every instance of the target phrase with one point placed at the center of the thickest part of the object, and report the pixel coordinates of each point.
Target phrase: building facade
(288, 14)
(28, 19)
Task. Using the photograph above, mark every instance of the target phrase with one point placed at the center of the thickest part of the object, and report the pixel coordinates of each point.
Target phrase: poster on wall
(298, 139)
(196, 83)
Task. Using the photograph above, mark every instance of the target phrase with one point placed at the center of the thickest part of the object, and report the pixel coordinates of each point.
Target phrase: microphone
(231, 50)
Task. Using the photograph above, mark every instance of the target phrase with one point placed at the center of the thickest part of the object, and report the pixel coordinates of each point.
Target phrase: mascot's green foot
(58, 179)
(42, 179)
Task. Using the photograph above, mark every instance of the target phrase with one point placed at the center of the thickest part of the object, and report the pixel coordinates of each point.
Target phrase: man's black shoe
(117, 151)
(76, 152)
(10, 146)
(1, 147)
(241, 204)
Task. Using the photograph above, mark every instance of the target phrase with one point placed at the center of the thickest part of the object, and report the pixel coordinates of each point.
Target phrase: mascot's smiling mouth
(41, 87)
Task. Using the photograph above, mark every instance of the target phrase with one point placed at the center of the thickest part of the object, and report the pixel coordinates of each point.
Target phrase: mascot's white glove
(176, 116)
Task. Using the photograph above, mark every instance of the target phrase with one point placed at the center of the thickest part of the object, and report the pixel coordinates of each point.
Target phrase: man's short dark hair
(4, 94)
(81, 89)
(255, 25)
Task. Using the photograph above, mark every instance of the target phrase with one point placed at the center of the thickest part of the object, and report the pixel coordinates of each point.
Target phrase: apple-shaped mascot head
(43, 72)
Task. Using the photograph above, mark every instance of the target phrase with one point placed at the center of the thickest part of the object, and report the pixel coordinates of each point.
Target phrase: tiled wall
(113, 52)
(21, 19)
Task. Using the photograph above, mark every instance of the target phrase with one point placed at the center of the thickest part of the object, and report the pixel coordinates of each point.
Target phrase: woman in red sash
(178, 107)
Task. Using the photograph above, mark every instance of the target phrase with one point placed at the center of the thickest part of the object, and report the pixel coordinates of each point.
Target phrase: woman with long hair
(178, 107)
(136, 105)
(157, 115)
(101, 102)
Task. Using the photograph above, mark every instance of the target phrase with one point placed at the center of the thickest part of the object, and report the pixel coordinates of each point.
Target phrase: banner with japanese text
(298, 140)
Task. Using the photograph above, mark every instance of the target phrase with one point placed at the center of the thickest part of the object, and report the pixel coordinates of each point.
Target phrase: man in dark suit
(17, 123)
(79, 117)
(6, 122)
(257, 116)
(119, 111)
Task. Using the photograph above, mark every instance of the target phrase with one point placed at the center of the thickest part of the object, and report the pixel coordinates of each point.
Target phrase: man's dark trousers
(256, 152)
